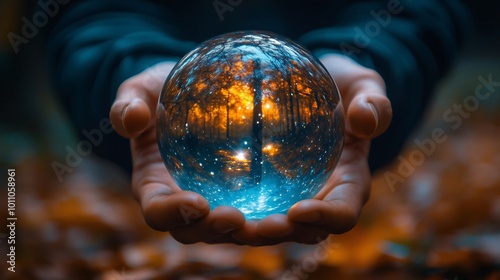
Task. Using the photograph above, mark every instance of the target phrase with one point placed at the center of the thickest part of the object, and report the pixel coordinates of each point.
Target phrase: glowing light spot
(240, 156)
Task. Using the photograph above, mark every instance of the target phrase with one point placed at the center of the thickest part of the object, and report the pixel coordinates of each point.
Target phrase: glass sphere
(250, 120)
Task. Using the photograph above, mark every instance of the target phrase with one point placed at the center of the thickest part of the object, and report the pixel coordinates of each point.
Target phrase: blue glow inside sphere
(250, 120)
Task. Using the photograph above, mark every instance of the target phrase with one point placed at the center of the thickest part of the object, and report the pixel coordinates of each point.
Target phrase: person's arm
(411, 44)
(96, 45)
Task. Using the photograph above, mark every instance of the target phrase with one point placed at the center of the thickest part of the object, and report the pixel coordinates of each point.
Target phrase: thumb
(130, 113)
(136, 99)
(369, 115)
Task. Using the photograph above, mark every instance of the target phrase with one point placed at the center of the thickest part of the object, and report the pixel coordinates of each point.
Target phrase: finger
(334, 216)
(274, 226)
(306, 234)
(163, 203)
(337, 207)
(165, 211)
(217, 224)
(369, 111)
(136, 100)
(363, 94)
(337, 213)
(278, 228)
(130, 114)
(369, 114)
(165, 206)
(248, 235)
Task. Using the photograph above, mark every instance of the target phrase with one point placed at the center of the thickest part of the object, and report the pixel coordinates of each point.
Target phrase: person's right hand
(186, 215)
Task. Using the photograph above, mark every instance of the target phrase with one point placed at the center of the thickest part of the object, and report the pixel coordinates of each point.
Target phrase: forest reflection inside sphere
(250, 120)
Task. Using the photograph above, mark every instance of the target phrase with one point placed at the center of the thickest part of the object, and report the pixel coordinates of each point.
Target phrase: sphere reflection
(250, 120)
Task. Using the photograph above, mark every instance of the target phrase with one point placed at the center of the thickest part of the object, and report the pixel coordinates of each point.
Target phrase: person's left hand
(337, 207)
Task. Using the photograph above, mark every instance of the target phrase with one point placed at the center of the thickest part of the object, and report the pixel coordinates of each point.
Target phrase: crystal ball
(250, 120)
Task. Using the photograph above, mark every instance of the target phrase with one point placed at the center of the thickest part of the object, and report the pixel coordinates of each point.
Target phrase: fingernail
(124, 115)
(311, 217)
(375, 114)
(125, 111)
(223, 226)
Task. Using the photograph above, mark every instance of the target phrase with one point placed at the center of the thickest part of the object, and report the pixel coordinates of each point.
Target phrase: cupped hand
(337, 207)
(187, 215)
(164, 205)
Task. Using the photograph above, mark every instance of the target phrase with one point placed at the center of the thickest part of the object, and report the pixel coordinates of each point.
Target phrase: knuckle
(373, 75)
(131, 83)
(126, 84)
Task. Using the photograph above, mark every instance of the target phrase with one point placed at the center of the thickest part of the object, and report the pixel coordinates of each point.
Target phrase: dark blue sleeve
(410, 43)
(95, 45)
